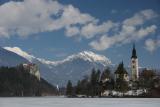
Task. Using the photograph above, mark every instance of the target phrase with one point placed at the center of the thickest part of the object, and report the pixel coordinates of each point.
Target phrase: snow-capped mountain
(8, 58)
(73, 67)
(18, 51)
(86, 56)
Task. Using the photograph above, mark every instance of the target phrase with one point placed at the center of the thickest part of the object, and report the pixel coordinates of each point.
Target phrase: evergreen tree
(69, 89)
(121, 83)
(107, 81)
(93, 77)
(16, 81)
(84, 86)
(78, 88)
(98, 85)
(98, 74)
(106, 74)
(94, 83)
(147, 78)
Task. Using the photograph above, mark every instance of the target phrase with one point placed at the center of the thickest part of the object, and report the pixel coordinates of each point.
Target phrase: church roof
(121, 69)
(134, 54)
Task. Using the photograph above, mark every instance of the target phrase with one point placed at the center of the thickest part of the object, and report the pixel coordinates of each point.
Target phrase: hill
(15, 81)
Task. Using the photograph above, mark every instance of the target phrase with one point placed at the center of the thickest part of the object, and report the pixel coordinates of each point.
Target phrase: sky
(55, 29)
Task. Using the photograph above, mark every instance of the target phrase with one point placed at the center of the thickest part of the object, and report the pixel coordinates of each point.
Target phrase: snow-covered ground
(79, 102)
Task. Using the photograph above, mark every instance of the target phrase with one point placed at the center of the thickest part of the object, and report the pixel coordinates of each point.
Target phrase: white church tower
(134, 65)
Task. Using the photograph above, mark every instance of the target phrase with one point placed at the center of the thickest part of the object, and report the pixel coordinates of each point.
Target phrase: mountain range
(73, 67)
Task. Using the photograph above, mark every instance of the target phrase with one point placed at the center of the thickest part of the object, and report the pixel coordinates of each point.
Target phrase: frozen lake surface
(79, 102)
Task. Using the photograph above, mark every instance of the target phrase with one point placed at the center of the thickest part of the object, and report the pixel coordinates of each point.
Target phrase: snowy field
(79, 102)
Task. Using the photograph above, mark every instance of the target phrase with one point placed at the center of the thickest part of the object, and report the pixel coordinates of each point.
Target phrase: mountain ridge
(8, 58)
(74, 67)
(86, 55)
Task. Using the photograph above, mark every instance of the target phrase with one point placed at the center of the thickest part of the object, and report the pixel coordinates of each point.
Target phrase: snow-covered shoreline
(78, 102)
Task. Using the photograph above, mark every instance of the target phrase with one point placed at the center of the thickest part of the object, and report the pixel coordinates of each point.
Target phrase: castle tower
(134, 65)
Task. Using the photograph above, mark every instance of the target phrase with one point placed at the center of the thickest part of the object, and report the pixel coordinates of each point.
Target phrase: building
(121, 73)
(33, 69)
(134, 65)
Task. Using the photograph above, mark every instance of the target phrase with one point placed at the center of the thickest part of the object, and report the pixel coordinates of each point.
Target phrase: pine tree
(106, 74)
(107, 81)
(147, 78)
(121, 84)
(78, 88)
(69, 89)
(94, 83)
(97, 85)
(98, 74)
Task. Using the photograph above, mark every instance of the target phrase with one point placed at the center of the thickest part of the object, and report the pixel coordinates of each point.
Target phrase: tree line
(16, 81)
(97, 82)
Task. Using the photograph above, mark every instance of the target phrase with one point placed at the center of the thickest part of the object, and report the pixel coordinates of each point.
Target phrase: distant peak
(93, 55)
(89, 56)
(89, 53)
(20, 52)
(27, 56)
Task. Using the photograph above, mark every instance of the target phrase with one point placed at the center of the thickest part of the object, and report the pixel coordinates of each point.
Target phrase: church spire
(134, 54)
(134, 65)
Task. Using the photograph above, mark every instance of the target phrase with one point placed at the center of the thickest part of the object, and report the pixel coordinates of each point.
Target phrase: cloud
(151, 45)
(126, 35)
(104, 43)
(146, 31)
(92, 29)
(34, 16)
(29, 17)
(72, 31)
(72, 15)
(140, 17)
(130, 30)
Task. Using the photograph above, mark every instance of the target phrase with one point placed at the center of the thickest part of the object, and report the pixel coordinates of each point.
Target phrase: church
(134, 68)
(134, 65)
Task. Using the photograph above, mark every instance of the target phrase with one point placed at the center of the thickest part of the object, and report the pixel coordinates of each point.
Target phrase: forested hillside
(16, 81)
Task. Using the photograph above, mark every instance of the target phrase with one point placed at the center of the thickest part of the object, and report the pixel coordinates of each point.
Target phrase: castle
(33, 69)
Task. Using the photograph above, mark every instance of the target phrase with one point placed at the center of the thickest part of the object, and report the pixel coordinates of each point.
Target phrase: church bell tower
(134, 65)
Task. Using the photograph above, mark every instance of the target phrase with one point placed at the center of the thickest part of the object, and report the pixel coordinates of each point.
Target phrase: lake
(78, 102)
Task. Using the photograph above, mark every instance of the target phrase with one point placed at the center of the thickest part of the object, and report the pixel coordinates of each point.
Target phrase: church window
(133, 66)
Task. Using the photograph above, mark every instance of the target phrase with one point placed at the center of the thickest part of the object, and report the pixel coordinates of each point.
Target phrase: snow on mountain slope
(85, 55)
(72, 68)
(8, 58)
(24, 54)
(18, 51)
